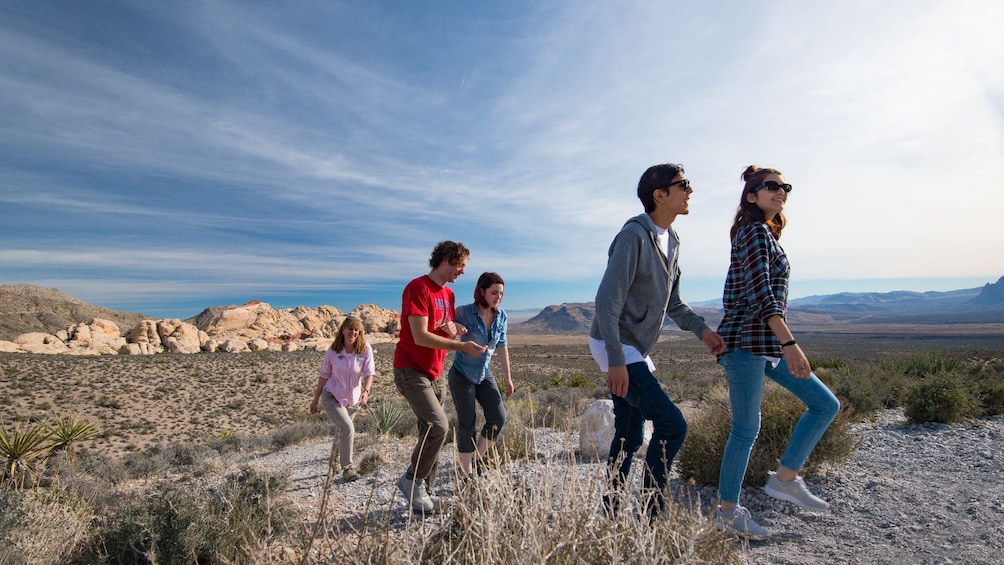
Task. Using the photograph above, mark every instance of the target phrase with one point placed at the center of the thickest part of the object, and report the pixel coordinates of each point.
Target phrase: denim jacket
(476, 369)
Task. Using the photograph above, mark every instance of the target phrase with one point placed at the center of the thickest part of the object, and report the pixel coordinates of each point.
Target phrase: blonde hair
(360, 344)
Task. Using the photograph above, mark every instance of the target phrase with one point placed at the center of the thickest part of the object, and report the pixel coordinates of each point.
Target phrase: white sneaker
(414, 492)
(795, 492)
(740, 522)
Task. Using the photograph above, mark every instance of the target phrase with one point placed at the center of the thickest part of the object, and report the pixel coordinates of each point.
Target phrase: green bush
(178, 524)
(867, 388)
(700, 458)
(942, 398)
(922, 364)
(991, 396)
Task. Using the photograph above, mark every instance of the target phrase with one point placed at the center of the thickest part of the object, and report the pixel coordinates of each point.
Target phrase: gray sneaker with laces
(414, 492)
(795, 492)
(740, 522)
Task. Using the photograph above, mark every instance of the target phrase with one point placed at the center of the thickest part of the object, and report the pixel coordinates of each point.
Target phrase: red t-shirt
(423, 297)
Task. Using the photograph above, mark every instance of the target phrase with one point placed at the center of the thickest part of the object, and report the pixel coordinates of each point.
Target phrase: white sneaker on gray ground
(415, 493)
(740, 522)
(795, 492)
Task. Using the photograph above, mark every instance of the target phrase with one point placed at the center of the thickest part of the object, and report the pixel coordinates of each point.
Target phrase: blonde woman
(343, 382)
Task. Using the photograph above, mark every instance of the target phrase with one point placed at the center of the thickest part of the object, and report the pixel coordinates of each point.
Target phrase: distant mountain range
(972, 305)
(28, 308)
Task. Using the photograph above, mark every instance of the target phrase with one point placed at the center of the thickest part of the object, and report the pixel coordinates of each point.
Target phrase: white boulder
(596, 431)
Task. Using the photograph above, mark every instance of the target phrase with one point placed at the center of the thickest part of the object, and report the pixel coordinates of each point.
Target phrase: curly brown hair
(452, 251)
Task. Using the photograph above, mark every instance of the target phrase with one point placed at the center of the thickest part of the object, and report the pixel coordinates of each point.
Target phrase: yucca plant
(66, 432)
(22, 447)
(388, 414)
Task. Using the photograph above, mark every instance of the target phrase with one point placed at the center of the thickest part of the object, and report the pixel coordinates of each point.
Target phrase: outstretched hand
(472, 348)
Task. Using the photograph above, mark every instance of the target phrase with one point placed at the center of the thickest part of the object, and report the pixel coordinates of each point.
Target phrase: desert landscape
(138, 402)
(176, 419)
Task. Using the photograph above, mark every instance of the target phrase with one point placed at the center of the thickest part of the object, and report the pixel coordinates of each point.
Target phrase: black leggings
(464, 394)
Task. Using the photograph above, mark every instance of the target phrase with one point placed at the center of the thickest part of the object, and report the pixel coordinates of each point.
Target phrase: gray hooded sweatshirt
(639, 288)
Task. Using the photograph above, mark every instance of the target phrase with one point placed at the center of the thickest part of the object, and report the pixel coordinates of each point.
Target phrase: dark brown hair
(360, 344)
(453, 252)
(749, 212)
(485, 281)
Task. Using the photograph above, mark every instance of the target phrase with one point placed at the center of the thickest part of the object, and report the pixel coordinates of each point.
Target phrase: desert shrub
(700, 458)
(41, 525)
(676, 383)
(922, 364)
(830, 362)
(389, 414)
(370, 463)
(179, 524)
(578, 380)
(300, 430)
(559, 408)
(515, 442)
(159, 459)
(525, 510)
(866, 387)
(991, 396)
(942, 398)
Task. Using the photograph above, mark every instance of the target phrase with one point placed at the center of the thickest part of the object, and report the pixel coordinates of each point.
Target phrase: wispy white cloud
(253, 146)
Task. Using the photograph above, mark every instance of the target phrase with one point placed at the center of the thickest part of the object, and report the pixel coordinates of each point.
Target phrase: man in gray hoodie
(640, 287)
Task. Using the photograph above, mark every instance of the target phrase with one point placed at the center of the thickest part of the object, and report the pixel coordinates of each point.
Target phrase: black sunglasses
(773, 186)
(684, 184)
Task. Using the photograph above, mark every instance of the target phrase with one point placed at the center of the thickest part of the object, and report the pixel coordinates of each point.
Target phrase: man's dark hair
(656, 177)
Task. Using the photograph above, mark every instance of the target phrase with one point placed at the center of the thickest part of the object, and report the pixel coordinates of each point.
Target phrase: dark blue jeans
(646, 401)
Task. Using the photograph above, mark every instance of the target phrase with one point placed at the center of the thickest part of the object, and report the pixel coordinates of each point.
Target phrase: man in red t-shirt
(427, 331)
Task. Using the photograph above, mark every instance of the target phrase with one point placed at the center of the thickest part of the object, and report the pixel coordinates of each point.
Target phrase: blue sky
(164, 157)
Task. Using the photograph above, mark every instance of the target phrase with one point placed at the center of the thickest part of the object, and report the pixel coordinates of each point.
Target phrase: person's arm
(755, 247)
(794, 357)
(323, 374)
(368, 369)
(503, 355)
(622, 264)
(317, 394)
(367, 386)
(423, 337)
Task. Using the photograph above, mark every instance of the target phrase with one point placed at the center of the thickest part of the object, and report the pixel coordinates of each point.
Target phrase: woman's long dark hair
(749, 212)
(485, 281)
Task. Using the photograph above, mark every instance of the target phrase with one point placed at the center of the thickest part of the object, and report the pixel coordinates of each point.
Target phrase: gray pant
(465, 393)
(345, 431)
(425, 397)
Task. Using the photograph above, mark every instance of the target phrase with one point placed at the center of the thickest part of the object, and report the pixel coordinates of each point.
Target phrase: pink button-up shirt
(345, 372)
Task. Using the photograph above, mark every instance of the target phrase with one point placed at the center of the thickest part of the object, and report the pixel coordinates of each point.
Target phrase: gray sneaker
(740, 522)
(795, 492)
(414, 492)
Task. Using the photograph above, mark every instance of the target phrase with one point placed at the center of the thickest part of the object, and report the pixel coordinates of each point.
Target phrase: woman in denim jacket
(758, 344)
(471, 379)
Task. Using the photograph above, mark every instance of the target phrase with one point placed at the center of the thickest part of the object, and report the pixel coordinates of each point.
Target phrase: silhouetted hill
(991, 294)
(28, 308)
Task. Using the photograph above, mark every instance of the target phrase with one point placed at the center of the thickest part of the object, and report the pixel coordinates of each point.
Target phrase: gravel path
(909, 494)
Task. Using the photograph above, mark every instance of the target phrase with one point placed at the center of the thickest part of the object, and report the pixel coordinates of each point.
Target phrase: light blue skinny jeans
(746, 374)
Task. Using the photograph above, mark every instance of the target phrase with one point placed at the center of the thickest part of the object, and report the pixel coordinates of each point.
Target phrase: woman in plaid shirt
(758, 344)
